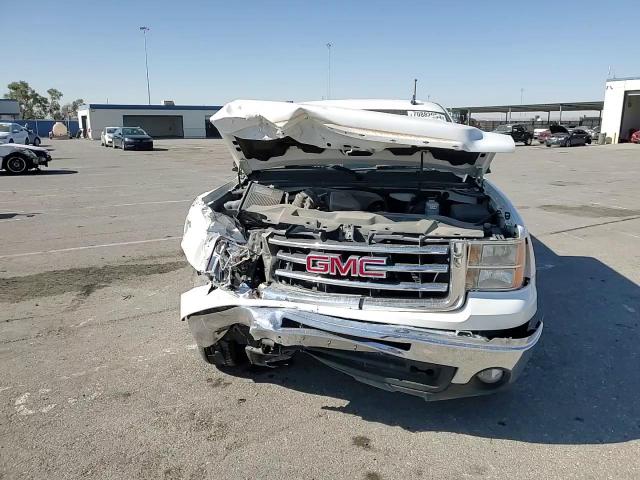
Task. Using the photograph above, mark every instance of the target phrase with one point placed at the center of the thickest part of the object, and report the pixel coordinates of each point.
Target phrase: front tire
(36, 142)
(225, 355)
(527, 141)
(16, 165)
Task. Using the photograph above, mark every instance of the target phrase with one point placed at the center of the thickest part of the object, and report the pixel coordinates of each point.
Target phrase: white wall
(614, 105)
(192, 120)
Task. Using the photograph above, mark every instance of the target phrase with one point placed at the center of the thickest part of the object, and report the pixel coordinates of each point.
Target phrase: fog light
(491, 375)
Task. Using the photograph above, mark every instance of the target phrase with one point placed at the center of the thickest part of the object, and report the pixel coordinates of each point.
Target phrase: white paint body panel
(346, 127)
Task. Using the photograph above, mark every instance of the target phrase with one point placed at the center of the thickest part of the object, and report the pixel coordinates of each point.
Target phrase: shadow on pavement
(580, 387)
(53, 172)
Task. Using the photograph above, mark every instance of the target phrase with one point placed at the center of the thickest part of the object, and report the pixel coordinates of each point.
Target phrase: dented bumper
(433, 364)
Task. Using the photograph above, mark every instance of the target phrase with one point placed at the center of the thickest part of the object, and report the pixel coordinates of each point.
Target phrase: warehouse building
(159, 121)
(621, 114)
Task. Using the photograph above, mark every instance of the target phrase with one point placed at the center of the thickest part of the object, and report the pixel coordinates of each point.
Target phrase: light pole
(521, 99)
(329, 45)
(146, 62)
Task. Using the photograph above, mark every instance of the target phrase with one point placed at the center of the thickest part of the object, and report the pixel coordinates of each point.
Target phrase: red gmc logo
(355, 266)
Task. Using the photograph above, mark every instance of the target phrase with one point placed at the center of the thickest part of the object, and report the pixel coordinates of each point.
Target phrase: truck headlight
(496, 265)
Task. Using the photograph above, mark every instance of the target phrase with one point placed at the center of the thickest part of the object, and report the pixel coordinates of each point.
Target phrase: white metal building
(621, 114)
(159, 121)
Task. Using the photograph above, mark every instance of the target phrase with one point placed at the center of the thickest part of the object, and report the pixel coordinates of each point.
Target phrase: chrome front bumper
(463, 354)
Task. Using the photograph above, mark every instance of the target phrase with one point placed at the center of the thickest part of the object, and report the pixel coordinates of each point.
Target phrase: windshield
(110, 130)
(133, 131)
(5, 128)
(503, 128)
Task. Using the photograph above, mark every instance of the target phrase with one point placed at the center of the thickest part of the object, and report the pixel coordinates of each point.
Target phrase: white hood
(263, 135)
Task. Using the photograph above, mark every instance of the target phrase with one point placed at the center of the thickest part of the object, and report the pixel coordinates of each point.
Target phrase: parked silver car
(106, 137)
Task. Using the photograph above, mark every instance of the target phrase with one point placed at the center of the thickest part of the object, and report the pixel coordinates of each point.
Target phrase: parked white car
(18, 159)
(106, 137)
(367, 237)
(13, 133)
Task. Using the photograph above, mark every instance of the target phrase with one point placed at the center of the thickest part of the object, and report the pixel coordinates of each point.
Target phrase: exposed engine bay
(339, 206)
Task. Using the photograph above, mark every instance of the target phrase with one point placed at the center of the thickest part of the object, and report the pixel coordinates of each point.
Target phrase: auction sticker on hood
(426, 114)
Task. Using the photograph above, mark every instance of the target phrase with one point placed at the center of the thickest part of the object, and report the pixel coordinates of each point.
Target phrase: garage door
(158, 126)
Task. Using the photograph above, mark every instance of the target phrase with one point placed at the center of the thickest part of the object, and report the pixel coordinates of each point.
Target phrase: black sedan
(132, 138)
(564, 137)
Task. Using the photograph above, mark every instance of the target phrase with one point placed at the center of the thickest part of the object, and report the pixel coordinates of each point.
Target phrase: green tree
(54, 104)
(70, 110)
(32, 104)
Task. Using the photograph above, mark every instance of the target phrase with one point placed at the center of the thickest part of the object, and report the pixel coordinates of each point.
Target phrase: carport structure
(531, 107)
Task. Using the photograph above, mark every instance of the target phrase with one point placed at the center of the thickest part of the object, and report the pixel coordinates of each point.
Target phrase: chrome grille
(412, 271)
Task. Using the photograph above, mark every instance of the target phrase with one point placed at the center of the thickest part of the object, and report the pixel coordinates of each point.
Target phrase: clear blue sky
(210, 52)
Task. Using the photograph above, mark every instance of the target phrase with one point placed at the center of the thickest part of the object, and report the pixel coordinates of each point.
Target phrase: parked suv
(368, 239)
(519, 133)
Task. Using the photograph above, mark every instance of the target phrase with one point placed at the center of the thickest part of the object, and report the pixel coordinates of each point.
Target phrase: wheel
(548, 145)
(567, 143)
(224, 354)
(527, 141)
(11, 140)
(588, 141)
(16, 165)
(26, 141)
(228, 352)
(36, 141)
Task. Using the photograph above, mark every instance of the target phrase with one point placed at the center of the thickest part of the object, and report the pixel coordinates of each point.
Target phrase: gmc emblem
(355, 266)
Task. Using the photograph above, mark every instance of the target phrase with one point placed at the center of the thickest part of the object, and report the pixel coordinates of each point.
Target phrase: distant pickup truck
(519, 133)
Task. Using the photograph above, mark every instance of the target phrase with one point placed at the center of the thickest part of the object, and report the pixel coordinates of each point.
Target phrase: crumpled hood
(263, 135)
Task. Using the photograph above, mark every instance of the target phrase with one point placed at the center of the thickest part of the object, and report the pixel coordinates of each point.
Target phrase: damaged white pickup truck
(363, 233)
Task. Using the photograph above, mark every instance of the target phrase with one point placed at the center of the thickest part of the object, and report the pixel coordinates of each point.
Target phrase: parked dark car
(33, 138)
(519, 133)
(132, 138)
(565, 137)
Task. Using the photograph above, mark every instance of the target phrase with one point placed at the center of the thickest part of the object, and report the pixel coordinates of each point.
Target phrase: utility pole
(146, 61)
(329, 45)
(521, 101)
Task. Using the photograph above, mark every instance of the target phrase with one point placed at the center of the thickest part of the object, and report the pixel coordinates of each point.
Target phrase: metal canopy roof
(535, 107)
